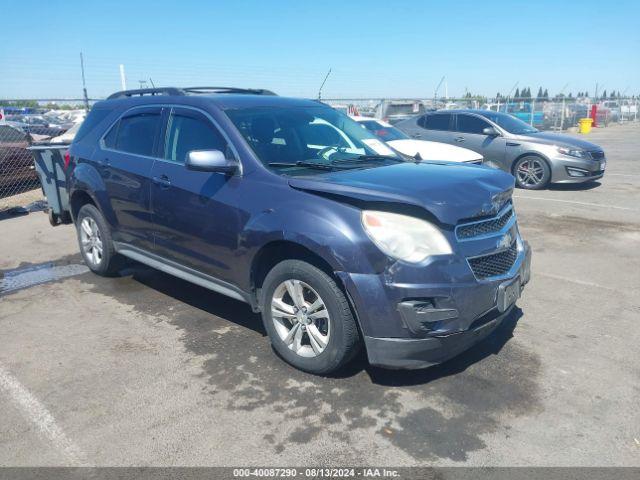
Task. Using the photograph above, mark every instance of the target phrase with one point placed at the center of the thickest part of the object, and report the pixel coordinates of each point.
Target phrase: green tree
(19, 103)
(517, 94)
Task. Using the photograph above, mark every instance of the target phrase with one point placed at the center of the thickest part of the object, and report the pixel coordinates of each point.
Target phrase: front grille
(485, 227)
(597, 154)
(494, 264)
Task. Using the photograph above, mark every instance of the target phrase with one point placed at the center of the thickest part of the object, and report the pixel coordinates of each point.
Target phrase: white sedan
(403, 143)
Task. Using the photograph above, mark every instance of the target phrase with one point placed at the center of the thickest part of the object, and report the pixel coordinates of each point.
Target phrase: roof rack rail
(247, 91)
(147, 91)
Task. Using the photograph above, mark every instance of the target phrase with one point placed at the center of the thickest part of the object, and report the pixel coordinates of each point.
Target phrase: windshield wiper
(369, 158)
(302, 163)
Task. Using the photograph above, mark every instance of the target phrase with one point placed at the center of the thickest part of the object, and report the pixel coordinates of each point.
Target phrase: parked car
(629, 109)
(68, 136)
(420, 149)
(521, 110)
(612, 109)
(394, 111)
(535, 158)
(38, 125)
(16, 163)
(339, 244)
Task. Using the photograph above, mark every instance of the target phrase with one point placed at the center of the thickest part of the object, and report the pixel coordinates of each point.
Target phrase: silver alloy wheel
(91, 240)
(530, 172)
(300, 318)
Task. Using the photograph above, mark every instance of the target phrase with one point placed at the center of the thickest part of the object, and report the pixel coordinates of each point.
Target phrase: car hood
(435, 150)
(560, 140)
(450, 192)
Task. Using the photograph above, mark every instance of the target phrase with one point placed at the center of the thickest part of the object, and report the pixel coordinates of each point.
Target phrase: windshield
(384, 132)
(310, 139)
(509, 123)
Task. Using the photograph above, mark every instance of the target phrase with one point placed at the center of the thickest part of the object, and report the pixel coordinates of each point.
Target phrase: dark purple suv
(293, 208)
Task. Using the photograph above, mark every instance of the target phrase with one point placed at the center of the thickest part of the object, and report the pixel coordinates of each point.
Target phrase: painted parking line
(35, 412)
(573, 202)
(576, 281)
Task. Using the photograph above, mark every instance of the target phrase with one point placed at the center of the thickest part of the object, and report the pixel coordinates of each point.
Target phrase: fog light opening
(577, 172)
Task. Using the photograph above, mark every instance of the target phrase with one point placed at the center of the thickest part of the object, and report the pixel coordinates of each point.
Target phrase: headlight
(572, 152)
(404, 238)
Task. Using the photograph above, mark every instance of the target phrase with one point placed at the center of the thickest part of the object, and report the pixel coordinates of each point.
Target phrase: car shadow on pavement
(573, 187)
(240, 314)
(198, 297)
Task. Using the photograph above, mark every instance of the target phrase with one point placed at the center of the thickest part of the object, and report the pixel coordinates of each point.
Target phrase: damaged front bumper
(416, 325)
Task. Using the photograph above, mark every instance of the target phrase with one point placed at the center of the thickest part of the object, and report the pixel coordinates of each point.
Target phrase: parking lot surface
(145, 369)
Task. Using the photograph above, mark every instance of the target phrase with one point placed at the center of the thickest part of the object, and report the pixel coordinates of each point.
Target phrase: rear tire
(532, 173)
(321, 342)
(96, 246)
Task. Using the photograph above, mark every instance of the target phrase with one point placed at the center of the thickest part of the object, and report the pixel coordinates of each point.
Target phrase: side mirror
(491, 132)
(211, 161)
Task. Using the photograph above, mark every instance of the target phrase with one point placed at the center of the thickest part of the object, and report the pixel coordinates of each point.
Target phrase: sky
(388, 48)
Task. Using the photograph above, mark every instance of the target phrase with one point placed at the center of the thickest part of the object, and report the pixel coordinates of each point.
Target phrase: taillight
(67, 159)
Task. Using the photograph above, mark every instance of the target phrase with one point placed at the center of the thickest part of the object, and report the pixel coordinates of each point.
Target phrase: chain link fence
(558, 114)
(17, 171)
(21, 127)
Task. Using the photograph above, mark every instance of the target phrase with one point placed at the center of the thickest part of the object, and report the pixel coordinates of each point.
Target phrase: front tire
(96, 246)
(308, 318)
(532, 173)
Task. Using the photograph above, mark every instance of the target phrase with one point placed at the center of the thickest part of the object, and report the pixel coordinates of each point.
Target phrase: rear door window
(437, 121)
(470, 124)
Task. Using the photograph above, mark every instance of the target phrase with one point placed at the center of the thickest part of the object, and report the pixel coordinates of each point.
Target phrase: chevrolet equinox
(288, 205)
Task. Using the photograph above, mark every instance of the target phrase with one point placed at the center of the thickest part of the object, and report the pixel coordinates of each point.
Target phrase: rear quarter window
(95, 117)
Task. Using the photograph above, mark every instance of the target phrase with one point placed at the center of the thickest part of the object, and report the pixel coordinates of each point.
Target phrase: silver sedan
(534, 158)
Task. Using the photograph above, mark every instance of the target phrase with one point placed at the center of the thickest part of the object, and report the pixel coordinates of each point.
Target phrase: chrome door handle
(162, 180)
(459, 139)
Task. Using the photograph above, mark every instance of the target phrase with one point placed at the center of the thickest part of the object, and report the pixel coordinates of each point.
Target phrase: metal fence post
(533, 108)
